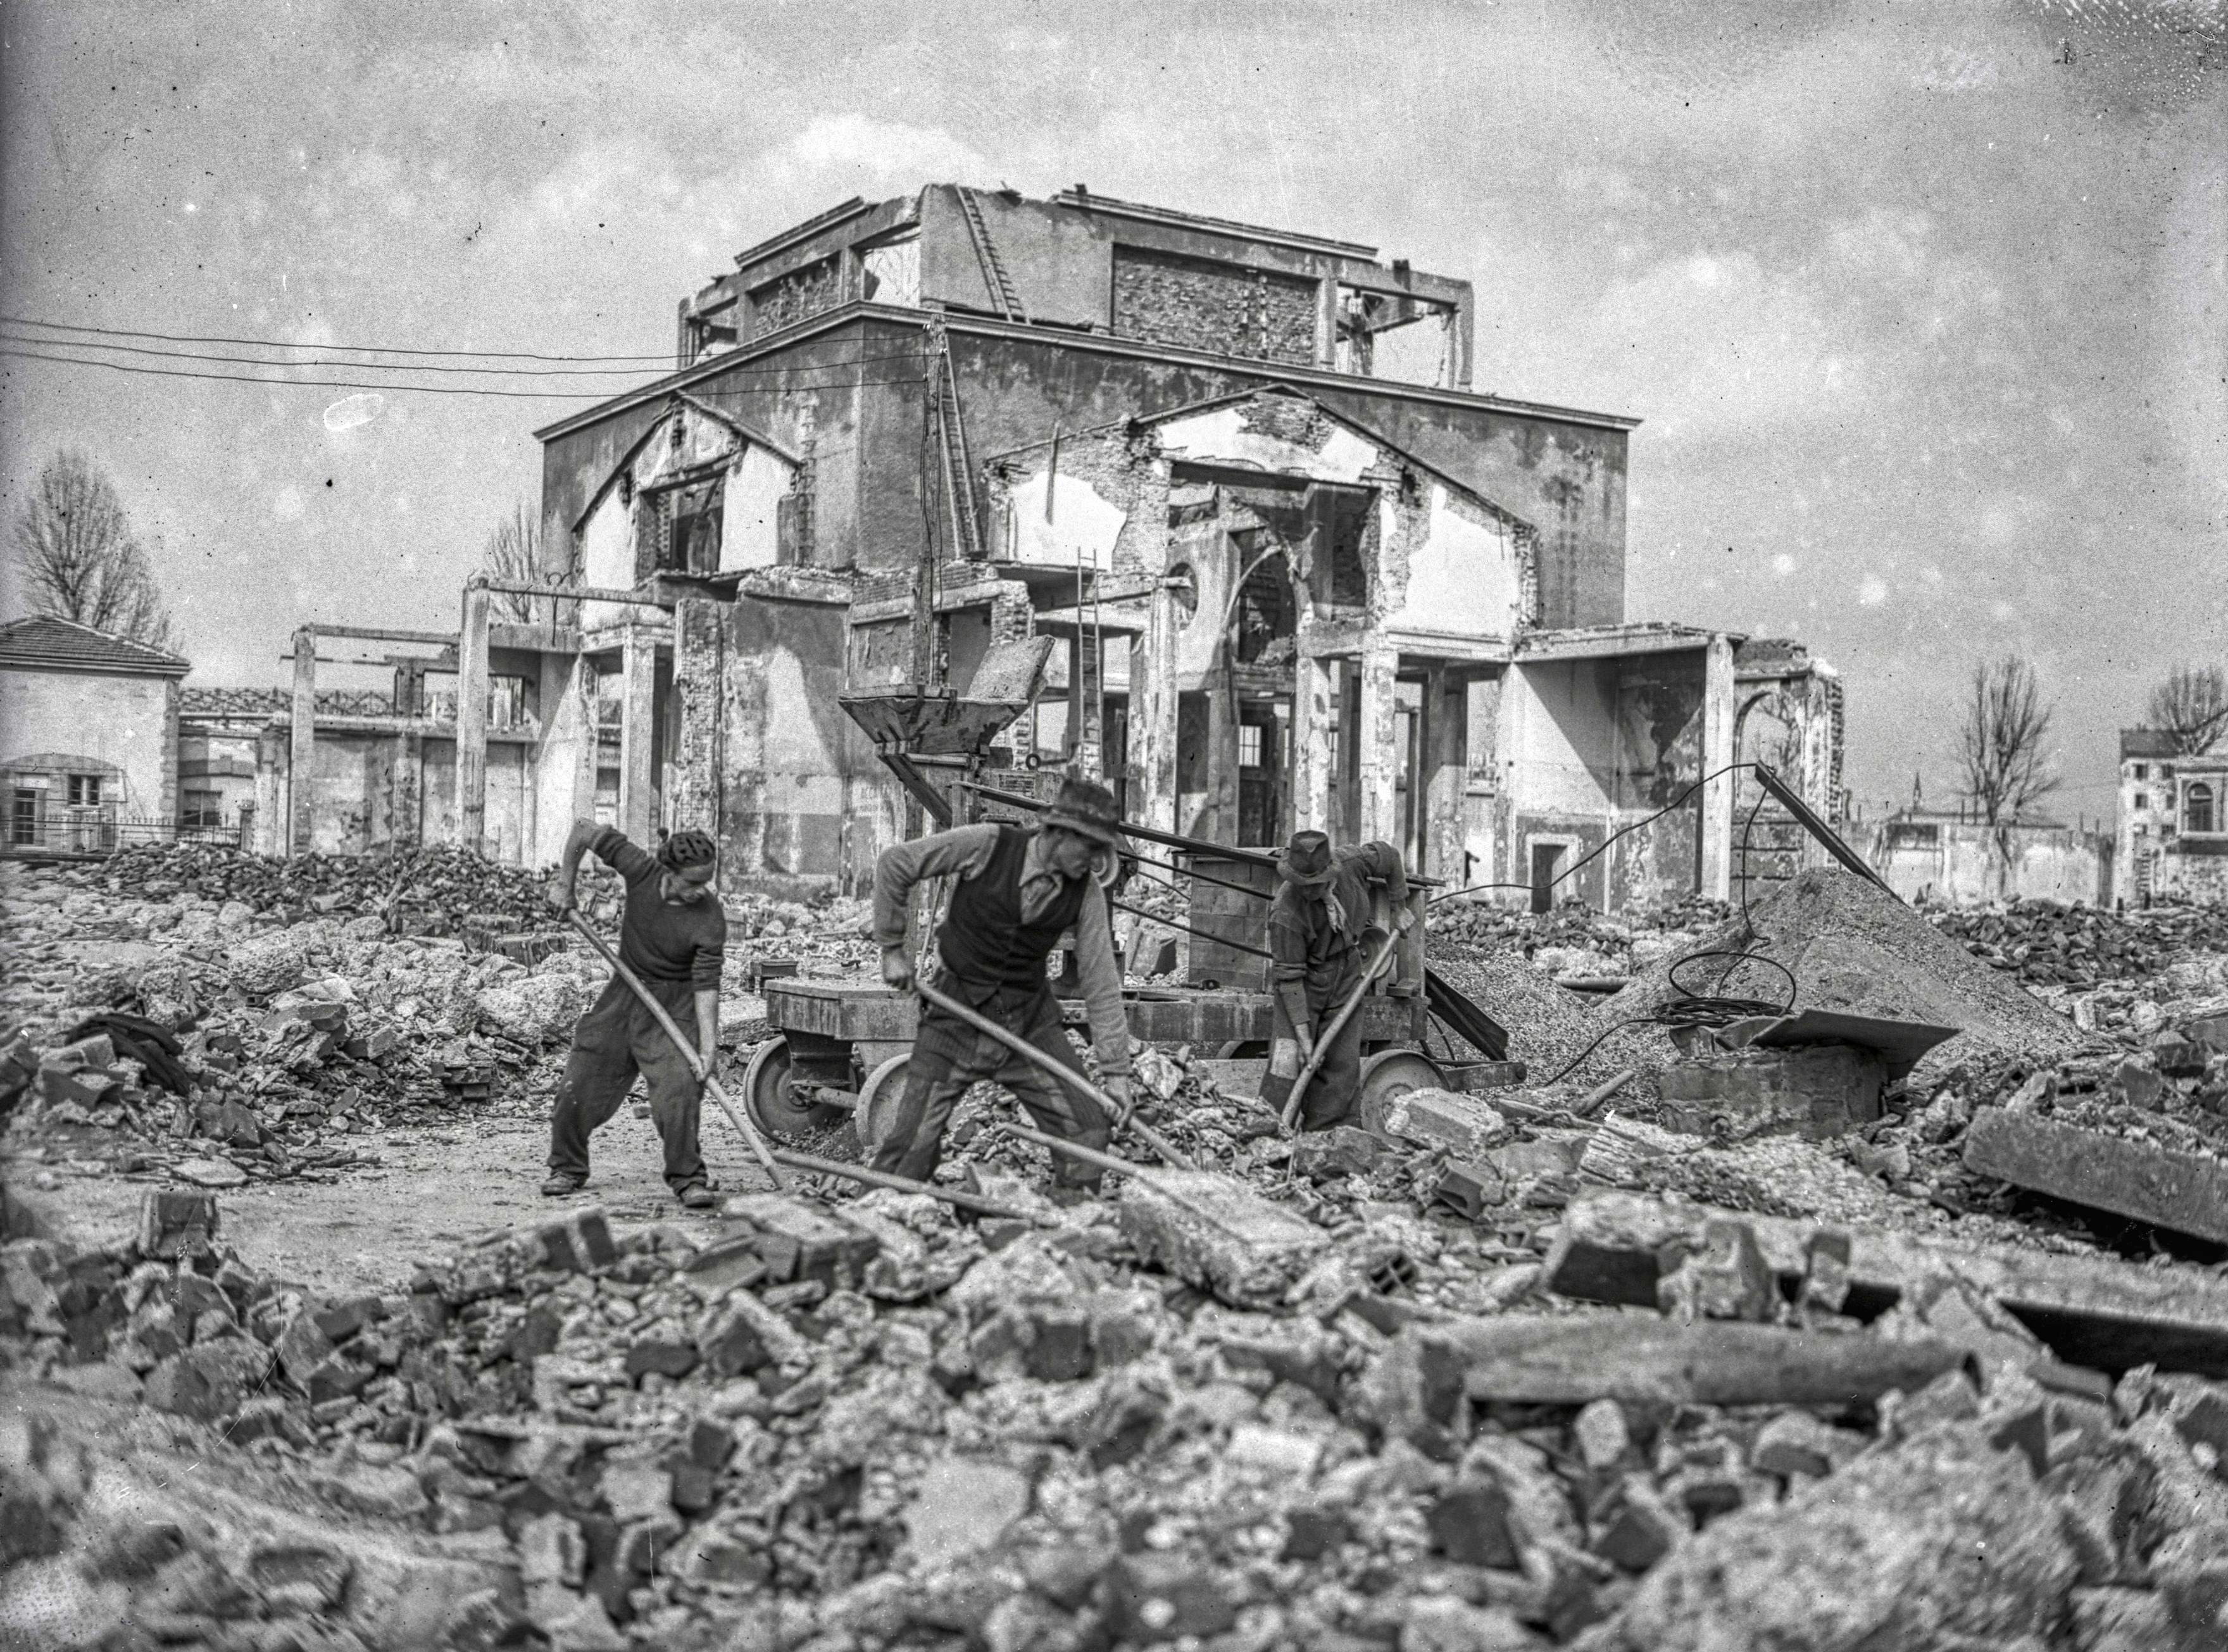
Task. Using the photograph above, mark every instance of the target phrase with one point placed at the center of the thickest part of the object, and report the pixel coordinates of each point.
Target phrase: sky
(1924, 307)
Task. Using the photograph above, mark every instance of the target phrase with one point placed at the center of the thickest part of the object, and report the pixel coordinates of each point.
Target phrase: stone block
(634, 1490)
(1465, 1126)
(1816, 1091)
(1469, 1524)
(800, 1241)
(1726, 1278)
(1220, 1235)
(1796, 1444)
(963, 1506)
(1602, 1435)
(298, 1578)
(1642, 1528)
(581, 1243)
(664, 1356)
(1336, 1153)
(1470, 1190)
(1153, 1596)
(745, 1335)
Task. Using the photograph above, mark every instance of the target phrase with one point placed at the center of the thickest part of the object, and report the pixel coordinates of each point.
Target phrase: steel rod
(1116, 1114)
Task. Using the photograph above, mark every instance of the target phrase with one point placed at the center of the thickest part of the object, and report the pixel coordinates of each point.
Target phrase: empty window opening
(890, 273)
(1391, 335)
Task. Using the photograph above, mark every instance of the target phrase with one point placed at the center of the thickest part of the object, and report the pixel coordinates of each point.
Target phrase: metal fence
(75, 834)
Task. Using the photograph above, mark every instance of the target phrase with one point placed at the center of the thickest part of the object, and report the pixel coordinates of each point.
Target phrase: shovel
(1338, 1025)
(1116, 1113)
(704, 1073)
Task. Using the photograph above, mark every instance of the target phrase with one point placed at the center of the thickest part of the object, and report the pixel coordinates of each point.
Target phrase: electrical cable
(424, 367)
(397, 389)
(276, 343)
(1603, 846)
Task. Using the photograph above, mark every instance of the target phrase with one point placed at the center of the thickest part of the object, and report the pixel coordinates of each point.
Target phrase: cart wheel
(766, 1094)
(1243, 1049)
(876, 1114)
(1389, 1075)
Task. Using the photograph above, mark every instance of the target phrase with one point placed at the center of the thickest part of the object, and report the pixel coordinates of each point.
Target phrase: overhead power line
(286, 344)
(7, 349)
(429, 367)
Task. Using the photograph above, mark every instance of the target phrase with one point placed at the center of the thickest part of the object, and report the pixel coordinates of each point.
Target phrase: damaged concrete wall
(785, 766)
(123, 723)
(1964, 863)
(564, 762)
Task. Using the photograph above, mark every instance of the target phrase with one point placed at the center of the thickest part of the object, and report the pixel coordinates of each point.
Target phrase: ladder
(951, 433)
(986, 251)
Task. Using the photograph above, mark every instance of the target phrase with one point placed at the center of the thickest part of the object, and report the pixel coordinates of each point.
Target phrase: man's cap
(1087, 809)
(1307, 860)
(685, 850)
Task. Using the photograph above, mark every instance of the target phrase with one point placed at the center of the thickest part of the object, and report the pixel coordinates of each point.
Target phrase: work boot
(561, 1183)
(697, 1195)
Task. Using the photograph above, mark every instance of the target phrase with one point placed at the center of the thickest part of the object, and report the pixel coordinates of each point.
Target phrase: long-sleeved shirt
(1315, 937)
(962, 853)
(660, 939)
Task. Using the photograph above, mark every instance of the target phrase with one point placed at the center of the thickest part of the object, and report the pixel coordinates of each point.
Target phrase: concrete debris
(1498, 1376)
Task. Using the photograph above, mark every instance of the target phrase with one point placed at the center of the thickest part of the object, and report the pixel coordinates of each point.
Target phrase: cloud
(859, 147)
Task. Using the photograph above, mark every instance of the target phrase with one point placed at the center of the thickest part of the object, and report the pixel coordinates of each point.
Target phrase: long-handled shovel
(704, 1073)
(1116, 1114)
(1338, 1025)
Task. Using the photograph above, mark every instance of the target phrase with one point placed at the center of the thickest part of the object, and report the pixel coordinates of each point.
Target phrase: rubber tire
(1387, 1076)
(765, 1095)
(878, 1103)
(1243, 1049)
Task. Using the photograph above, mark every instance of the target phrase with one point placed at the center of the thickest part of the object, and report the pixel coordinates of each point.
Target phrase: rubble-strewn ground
(395, 1399)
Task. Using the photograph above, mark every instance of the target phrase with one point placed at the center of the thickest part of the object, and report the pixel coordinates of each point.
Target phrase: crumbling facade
(2172, 834)
(90, 726)
(1298, 572)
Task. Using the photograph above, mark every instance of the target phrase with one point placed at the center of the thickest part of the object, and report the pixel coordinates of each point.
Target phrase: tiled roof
(2146, 742)
(65, 645)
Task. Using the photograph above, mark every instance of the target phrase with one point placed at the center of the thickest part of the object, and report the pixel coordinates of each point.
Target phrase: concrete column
(407, 796)
(1315, 692)
(1717, 751)
(169, 803)
(303, 758)
(1327, 321)
(1153, 714)
(473, 721)
(699, 642)
(273, 818)
(1379, 756)
(1446, 772)
(638, 735)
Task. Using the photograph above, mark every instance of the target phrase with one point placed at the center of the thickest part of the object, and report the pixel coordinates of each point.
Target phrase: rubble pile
(1574, 940)
(2044, 943)
(438, 890)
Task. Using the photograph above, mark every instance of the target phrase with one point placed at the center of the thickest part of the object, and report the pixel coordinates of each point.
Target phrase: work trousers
(616, 1040)
(1330, 1094)
(949, 1056)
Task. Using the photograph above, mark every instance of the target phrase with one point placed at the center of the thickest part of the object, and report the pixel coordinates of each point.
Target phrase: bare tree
(2191, 705)
(512, 552)
(79, 558)
(2002, 756)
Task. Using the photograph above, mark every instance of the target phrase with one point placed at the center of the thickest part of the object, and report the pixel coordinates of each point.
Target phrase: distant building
(2173, 836)
(88, 736)
(1957, 860)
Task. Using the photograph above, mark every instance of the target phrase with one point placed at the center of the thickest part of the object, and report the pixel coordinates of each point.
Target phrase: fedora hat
(1307, 860)
(1087, 809)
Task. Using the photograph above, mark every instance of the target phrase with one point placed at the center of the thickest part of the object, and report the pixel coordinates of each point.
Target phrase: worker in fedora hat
(1320, 942)
(1018, 890)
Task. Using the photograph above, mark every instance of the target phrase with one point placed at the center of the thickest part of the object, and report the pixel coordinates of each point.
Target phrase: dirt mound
(1548, 1025)
(1852, 948)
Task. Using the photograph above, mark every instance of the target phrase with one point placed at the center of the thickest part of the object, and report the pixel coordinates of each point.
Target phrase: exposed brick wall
(1195, 304)
(800, 294)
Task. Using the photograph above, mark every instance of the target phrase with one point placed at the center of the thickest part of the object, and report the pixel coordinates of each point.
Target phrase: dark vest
(984, 938)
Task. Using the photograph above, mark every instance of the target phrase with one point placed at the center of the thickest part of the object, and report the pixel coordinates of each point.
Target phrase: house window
(85, 791)
(23, 816)
(2142, 771)
(2166, 770)
(1249, 745)
(2142, 831)
(2142, 800)
(202, 809)
(2196, 808)
(686, 531)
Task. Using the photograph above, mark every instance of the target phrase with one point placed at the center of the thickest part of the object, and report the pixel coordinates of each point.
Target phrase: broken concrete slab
(1432, 1369)
(1465, 1126)
(964, 1505)
(797, 1240)
(2090, 1311)
(2187, 1192)
(1218, 1234)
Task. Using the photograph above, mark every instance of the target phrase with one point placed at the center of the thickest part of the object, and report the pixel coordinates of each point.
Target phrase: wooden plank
(2092, 1311)
(2187, 1192)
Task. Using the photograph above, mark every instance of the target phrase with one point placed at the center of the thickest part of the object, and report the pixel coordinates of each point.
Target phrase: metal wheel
(876, 1114)
(767, 1094)
(1386, 1077)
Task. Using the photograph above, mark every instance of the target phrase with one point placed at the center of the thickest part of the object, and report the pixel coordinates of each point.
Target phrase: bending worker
(1320, 944)
(674, 937)
(1020, 889)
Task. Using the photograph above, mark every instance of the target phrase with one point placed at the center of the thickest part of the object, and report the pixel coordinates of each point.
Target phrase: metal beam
(570, 592)
(377, 634)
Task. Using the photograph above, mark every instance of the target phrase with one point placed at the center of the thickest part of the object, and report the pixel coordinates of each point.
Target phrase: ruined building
(1298, 572)
(2172, 821)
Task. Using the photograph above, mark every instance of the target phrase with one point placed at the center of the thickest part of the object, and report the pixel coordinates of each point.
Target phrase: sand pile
(1852, 948)
(1547, 1025)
